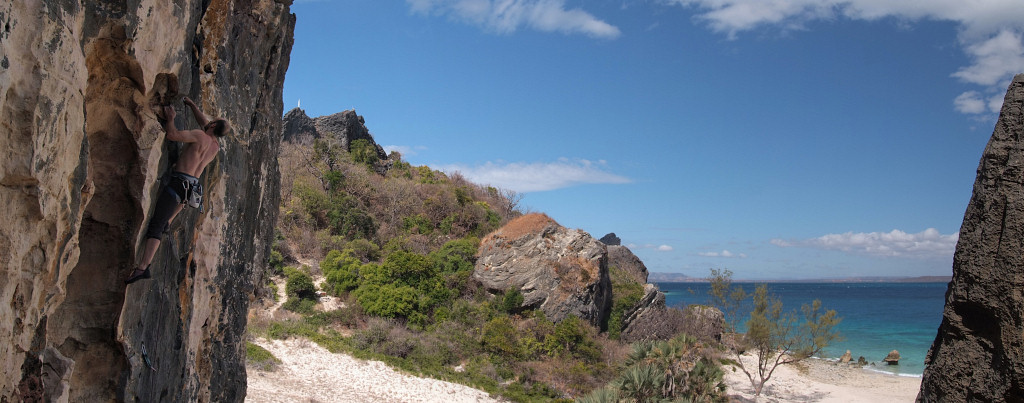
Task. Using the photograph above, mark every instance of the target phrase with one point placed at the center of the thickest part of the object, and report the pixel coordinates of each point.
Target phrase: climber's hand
(188, 101)
(168, 112)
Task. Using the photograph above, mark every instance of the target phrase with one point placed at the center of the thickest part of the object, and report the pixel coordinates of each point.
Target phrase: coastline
(817, 380)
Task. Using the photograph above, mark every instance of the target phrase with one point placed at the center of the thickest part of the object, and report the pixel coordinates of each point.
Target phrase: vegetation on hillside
(397, 244)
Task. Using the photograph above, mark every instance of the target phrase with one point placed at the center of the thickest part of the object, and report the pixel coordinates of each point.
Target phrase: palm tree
(640, 384)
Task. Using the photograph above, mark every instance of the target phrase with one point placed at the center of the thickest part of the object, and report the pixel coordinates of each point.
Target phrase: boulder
(862, 361)
(846, 358)
(558, 271)
(978, 352)
(893, 358)
(622, 258)
(658, 322)
(83, 153)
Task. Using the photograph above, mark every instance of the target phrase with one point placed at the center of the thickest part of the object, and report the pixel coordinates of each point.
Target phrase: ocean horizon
(878, 317)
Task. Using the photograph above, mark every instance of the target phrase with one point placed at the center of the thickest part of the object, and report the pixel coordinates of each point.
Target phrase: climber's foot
(137, 274)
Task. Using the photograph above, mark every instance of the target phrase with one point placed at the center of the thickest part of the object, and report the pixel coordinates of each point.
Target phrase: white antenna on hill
(300, 104)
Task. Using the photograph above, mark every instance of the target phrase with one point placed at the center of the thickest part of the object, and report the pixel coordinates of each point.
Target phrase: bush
(260, 358)
(363, 152)
(300, 285)
(511, 301)
(571, 337)
(499, 337)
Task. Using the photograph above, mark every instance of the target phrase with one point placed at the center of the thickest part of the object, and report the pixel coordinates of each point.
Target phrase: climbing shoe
(137, 274)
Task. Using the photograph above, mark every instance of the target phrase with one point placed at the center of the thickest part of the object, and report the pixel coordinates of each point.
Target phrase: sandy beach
(823, 381)
(310, 373)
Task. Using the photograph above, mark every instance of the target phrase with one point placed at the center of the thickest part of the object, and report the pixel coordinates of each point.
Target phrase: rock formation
(978, 354)
(893, 358)
(846, 358)
(343, 127)
(83, 151)
(559, 271)
(623, 258)
(610, 239)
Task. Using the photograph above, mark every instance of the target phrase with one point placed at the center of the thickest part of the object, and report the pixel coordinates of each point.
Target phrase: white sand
(310, 373)
(823, 381)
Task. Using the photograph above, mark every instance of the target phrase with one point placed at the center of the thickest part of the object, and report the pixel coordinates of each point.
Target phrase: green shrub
(300, 285)
(417, 224)
(387, 300)
(341, 271)
(363, 152)
(276, 262)
(626, 293)
(571, 338)
(511, 301)
(499, 337)
(260, 357)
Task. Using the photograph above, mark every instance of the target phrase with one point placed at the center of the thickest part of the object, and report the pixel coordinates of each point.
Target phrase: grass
(260, 358)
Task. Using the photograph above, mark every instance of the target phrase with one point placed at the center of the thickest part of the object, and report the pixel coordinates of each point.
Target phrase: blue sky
(778, 139)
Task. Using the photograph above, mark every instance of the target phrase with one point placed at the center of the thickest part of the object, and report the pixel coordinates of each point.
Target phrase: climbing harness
(193, 190)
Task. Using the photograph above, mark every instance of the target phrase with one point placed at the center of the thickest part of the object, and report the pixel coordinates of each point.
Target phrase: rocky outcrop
(611, 240)
(658, 322)
(83, 151)
(624, 259)
(558, 271)
(343, 127)
(978, 354)
(893, 358)
(298, 127)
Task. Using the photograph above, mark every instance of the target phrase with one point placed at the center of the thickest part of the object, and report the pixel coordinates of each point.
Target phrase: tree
(775, 337)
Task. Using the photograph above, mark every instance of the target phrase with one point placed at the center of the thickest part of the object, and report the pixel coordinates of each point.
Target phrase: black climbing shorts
(178, 190)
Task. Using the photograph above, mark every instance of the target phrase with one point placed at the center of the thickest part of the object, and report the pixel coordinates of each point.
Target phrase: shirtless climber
(183, 187)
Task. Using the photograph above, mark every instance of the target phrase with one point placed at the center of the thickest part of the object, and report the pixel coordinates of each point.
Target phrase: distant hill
(656, 277)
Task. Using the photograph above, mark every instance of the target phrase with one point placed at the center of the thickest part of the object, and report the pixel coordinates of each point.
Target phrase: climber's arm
(200, 117)
(173, 133)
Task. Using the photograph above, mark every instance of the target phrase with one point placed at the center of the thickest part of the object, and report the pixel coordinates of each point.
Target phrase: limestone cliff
(978, 354)
(82, 155)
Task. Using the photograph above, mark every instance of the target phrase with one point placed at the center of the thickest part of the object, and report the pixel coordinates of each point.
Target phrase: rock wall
(978, 354)
(81, 154)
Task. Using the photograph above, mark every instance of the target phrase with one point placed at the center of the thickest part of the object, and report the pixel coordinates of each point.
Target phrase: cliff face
(978, 354)
(82, 154)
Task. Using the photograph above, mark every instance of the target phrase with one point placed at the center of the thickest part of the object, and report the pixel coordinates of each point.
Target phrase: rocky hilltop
(978, 354)
(83, 154)
(343, 127)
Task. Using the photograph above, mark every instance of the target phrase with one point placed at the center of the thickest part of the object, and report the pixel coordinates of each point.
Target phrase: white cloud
(925, 244)
(406, 151)
(724, 253)
(538, 176)
(506, 16)
(995, 59)
(659, 248)
(990, 30)
(970, 102)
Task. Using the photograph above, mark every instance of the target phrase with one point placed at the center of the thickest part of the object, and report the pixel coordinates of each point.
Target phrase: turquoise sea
(877, 317)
